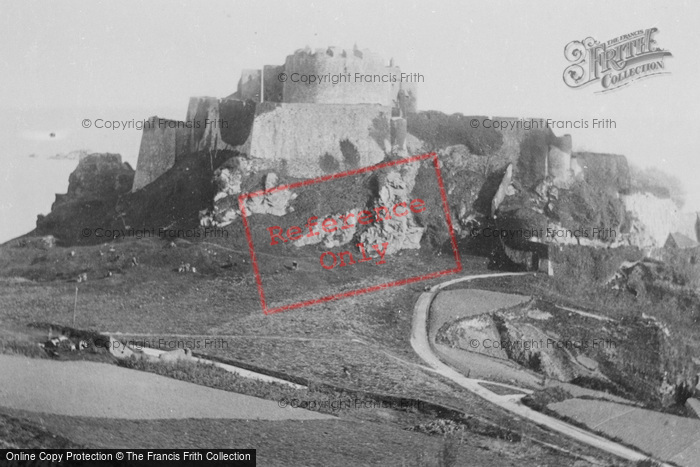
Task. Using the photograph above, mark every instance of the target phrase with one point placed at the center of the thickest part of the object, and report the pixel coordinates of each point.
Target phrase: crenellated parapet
(330, 76)
(357, 104)
(352, 69)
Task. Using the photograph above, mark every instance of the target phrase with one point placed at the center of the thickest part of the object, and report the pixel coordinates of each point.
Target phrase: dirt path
(421, 345)
(88, 389)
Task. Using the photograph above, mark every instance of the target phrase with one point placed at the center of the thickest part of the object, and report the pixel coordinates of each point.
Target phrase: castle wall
(399, 132)
(303, 134)
(406, 98)
(559, 166)
(605, 169)
(337, 61)
(161, 142)
(208, 124)
(249, 85)
(274, 88)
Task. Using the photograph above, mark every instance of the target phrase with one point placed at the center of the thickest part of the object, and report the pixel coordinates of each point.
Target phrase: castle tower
(365, 78)
(249, 85)
(559, 161)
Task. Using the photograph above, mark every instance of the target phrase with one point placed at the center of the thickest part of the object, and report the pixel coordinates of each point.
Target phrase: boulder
(118, 349)
(176, 356)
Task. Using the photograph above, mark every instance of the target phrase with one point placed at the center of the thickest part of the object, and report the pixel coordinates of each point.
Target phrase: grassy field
(665, 436)
(332, 443)
(360, 343)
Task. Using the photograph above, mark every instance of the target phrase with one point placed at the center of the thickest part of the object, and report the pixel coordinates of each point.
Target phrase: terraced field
(669, 437)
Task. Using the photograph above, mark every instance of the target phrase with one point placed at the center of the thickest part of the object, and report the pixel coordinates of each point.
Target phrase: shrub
(439, 130)
(328, 163)
(351, 155)
(539, 400)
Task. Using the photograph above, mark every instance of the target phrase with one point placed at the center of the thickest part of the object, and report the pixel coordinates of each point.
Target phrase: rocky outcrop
(505, 188)
(335, 238)
(401, 233)
(653, 219)
(461, 334)
(229, 180)
(99, 176)
(470, 191)
(275, 203)
(94, 189)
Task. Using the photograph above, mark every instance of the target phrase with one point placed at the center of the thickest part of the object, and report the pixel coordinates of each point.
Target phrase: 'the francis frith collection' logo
(615, 63)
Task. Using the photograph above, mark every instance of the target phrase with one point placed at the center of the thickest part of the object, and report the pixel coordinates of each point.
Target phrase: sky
(62, 62)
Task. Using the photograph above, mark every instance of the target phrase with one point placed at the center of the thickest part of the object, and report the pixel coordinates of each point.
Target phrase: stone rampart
(304, 134)
(161, 142)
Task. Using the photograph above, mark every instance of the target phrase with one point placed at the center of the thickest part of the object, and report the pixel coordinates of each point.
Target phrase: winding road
(421, 345)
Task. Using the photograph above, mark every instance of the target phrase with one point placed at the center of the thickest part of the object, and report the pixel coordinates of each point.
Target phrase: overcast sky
(62, 62)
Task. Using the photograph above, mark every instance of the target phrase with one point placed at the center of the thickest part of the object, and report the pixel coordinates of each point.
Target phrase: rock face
(276, 203)
(653, 219)
(94, 189)
(100, 176)
(229, 181)
(633, 357)
(469, 190)
(505, 188)
(482, 328)
(334, 238)
(401, 233)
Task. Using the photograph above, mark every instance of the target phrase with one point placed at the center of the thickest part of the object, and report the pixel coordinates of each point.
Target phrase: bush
(351, 155)
(539, 400)
(328, 163)
(439, 130)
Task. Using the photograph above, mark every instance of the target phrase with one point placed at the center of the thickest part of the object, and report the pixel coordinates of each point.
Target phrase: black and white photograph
(368, 233)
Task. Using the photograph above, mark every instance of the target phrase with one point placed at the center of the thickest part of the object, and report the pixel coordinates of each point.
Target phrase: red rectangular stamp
(377, 230)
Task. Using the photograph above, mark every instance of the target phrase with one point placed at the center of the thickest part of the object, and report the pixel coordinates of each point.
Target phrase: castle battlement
(277, 115)
(340, 76)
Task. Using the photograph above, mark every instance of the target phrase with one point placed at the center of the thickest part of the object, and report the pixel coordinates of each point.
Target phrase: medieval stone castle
(274, 117)
(279, 122)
